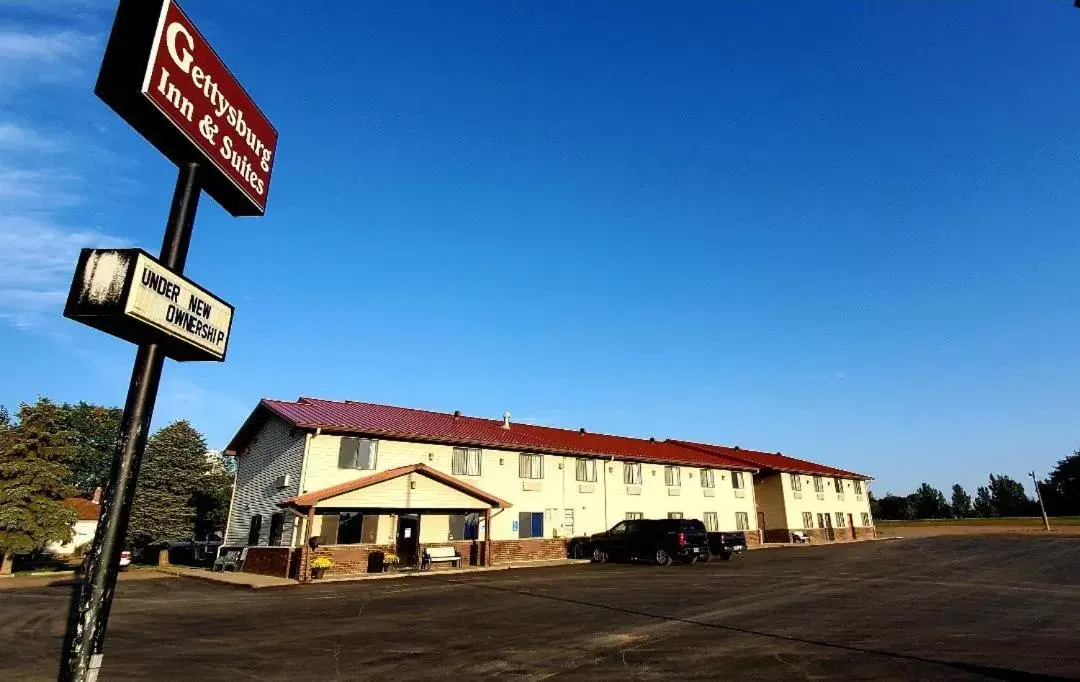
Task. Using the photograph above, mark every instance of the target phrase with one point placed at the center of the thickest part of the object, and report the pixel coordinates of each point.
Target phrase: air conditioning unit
(281, 481)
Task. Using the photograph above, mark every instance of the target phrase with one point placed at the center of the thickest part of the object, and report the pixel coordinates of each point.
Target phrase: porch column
(487, 538)
(304, 572)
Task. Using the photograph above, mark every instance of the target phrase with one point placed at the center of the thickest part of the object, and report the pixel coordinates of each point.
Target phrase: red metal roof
(442, 427)
(770, 460)
(308, 499)
(88, 510)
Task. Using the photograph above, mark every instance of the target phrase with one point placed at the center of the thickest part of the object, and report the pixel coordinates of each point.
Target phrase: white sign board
(128, 294)
(178, 307)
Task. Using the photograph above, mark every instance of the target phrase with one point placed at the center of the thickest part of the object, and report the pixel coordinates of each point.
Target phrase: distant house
(85, 525)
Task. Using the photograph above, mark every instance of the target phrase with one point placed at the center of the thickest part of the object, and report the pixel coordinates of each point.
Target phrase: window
(467, 461)
(586, 470)
(357, 453)
(838, 483)
(796, 482)
(736, 480)
(840, 523)
(819, 486)
(619, 528)
(711, 523)
(350, 528)
(742, 521)
(531, 524)
(672, 476)
(807, 520)
(634, 516)
(865, 519)
(255, 529)
(707, 478)
(858, 487)
(674, 515)
(530, 466)
(631, 473)
(465, 526)
(277, 525)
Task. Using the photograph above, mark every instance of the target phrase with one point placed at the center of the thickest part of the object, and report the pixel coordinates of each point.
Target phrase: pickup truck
(727, 544)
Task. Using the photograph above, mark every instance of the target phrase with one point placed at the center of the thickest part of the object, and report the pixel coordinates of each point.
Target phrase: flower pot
(317, 573)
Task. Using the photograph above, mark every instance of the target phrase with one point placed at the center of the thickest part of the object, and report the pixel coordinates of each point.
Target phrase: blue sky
(845, 231)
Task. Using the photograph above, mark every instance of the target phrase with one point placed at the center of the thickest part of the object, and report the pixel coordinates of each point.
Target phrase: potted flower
(319, 566)
(390, 560)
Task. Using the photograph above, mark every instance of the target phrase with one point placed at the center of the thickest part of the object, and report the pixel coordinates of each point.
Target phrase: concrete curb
(542, 563)
(210, 577)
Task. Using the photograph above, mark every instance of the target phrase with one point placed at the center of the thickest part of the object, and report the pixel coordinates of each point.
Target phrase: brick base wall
(507, 551)
(268, 561)
(753, 539)
(866, 532)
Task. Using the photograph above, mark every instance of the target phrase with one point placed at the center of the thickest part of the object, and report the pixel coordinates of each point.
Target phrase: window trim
(530, 457)
(708, 478)
(673, 476)
(466, 461)
(254, 529)
(737, 476)
(819, 484)
(715, 526)
(841, 520)
(634, 516)
(857, 484)
(675, 516)
(629, 469)
(796, 482)
(808, 517)
(583, 466)
(744, 517)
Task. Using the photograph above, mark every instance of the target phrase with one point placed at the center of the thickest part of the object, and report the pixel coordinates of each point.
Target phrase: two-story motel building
(362, 478)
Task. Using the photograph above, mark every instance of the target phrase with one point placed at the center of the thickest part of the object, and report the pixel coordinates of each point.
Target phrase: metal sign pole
(91, 600)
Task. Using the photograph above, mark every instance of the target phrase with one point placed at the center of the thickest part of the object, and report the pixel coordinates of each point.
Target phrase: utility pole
(1038, 496)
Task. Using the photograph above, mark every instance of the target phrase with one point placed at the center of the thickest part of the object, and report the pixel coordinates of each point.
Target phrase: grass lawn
(1012, 521)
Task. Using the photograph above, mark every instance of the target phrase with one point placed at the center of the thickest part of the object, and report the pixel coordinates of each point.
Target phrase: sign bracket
(91, 600)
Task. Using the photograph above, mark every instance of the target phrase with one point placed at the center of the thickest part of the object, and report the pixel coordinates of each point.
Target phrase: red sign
(156, 52)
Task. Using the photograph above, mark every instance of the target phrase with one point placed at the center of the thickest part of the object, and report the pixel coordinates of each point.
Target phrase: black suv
(657, 540)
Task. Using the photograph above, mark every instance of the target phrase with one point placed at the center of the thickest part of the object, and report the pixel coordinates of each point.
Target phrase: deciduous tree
(961, 502)
(1009, 498)
(930, 503)
(984, 503)
(33, 477)
(1061, 492)
(94, 431)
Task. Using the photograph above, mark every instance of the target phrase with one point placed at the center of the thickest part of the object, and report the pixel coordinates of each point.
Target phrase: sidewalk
(539, 563)
(251, 581)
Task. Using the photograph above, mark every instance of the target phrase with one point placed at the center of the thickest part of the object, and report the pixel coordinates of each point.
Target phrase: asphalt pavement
(932, 608)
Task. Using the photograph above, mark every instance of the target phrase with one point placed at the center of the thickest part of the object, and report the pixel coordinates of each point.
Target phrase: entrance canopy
(416, 486)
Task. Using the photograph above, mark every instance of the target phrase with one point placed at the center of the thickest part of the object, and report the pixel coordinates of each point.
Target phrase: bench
(799, 536)
(434, 555)
(230, 559)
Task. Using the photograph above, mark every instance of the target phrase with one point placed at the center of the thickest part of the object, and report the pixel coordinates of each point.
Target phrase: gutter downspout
(606, 524)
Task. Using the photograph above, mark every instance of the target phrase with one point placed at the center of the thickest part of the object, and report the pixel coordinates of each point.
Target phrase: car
(125, 560)
(727, 543)
(660, 541)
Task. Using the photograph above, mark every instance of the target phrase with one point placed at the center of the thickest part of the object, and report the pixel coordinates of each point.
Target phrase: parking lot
(931, 608)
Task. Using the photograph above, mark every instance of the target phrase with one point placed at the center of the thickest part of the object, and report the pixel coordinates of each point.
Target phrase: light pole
(1038, 493)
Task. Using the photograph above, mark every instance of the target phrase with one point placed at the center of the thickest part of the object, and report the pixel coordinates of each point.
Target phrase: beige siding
(276, 450)
(769, 490)
(412, 491)
(828, 501)
(593, 506)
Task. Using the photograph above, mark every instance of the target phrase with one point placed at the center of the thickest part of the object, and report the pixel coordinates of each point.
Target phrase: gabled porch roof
(313, 498)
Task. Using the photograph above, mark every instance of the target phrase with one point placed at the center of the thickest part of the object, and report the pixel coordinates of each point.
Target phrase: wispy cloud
(40, 176)
(36, 262)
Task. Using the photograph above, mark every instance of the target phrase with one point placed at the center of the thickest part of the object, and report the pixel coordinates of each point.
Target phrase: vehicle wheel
(599, 556)
(726, 556)
(707, 556)
(663, 558)
(693, 560)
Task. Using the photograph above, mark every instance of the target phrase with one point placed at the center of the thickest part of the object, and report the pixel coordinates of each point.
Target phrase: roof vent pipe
(582, 430)
(457, 413)
(506, 421)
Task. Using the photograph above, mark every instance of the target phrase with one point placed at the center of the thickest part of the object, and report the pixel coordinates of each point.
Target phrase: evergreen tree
(32, 481)
(929, 503)
(895, 507)
(173, 469)
(211, 502)
(984, 503)
(961, 503)
(95, 430)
